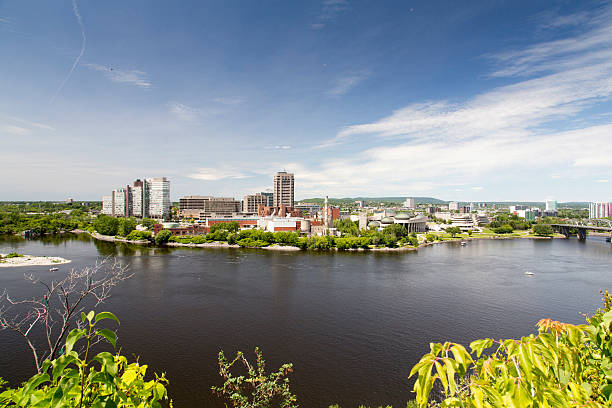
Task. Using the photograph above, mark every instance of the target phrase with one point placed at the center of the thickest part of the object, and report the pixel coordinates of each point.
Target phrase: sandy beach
(31, 260)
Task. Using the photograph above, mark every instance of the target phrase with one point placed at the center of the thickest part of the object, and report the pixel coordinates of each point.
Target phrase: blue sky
(460, 100)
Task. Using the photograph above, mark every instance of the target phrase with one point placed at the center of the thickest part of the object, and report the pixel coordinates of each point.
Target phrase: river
(352, 324)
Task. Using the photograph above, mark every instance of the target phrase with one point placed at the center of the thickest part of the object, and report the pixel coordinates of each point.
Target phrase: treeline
(48, 206)
(14, 222)
(391, 237)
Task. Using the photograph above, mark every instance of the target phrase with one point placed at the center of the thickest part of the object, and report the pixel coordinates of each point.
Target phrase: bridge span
(581, 228)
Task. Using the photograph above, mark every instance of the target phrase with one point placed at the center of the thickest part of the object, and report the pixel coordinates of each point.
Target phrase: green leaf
(105, 315)
(72, 338)
(83, 317)
(60, 364)
(90, 315)
(108, 335)
(108, 362)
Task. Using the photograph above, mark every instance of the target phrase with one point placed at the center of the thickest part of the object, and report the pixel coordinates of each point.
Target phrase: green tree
(126, 225)
(396, 230)
(543, 230)
(347, 227)
(504, 229)
(225, 226)
(453, 231)
(106, 225)
(162, 237)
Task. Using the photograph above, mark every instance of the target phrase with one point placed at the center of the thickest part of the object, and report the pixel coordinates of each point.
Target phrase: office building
(453, 206)
(283, 189)
(202, 207)
(269, 196)
(251, 202)
(551, 205)
(600, 210)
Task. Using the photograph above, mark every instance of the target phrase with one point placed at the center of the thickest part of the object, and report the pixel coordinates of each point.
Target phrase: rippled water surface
(353, 324)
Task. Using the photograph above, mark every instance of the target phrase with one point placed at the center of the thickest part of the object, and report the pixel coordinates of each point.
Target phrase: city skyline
(464, 102)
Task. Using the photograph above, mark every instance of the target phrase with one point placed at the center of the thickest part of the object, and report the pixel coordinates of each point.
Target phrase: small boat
(529, 273)
(463, 243)
(53, 269)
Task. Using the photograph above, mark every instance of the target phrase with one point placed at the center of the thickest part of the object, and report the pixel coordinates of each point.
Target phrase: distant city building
(69, 201)
(310, 208)
(409, 203)
(158, 194)
(202, 207)
(453, 206)
(514, 208)
(283, 189)
(600, 210)
(269, 196)
(251, 202)
(360, 203)
(148, 198)
(551, 205)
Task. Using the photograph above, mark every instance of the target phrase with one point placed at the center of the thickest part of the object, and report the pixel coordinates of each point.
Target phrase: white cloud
(132, 77)
(209, 174)
(230, 100)
(184, 112)
(283, 147)
(601, 181)
(32, 124)
(477, 188)
(330, 10)
(14, 130)
(344, 84)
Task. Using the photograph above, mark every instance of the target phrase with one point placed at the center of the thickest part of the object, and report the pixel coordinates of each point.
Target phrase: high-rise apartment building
(283, 189)
(551, 205)
(453, 206)
(600, 210)
(158, 194)
(146, 198)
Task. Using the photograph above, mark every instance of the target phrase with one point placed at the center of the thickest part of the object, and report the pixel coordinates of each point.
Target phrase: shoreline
(32, 260)
(277, 247)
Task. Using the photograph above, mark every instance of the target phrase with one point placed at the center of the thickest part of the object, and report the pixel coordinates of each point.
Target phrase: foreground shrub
(77, 380)
(138, 235)
(562, 366)
(257, 389)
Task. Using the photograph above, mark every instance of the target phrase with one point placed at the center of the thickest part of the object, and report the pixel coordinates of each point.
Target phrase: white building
(409, 203)
(158, 193)
(283, 189)
(107, 205)
(600, 210)
(453, 206)
(551, 205)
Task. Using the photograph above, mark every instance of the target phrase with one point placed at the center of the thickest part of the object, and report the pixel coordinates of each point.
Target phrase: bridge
(582, 226)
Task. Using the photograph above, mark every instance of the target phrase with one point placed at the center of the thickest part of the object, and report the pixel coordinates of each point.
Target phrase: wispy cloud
(347, 82)
(330, 10)
(601, 181)
(230, 100)
(75, 9)
(184, 112)
(14, 130)
(526, 126)
(132, 77)
(31, 124)
(210, 174)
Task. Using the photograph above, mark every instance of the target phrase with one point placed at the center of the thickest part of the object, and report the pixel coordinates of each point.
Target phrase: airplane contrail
(76, 61)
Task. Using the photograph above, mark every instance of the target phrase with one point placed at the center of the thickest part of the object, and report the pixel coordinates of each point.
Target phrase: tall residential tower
(283, 189)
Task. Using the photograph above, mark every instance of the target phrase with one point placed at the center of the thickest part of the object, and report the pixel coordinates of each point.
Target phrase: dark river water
(352, 324)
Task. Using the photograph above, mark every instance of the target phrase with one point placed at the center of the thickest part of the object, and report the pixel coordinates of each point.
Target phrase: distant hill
(388, 200)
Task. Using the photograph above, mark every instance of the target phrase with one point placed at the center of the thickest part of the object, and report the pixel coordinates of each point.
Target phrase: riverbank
(31, 260)
(277, 247)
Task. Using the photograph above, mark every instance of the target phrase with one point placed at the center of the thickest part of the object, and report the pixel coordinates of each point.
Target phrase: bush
(543, 230)
(562, 366)
(105, 380)
(430, 238)
(138, 235)
(287, 238)
(162, 237)
(225, 226)
(504, 229)
(13, 255)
